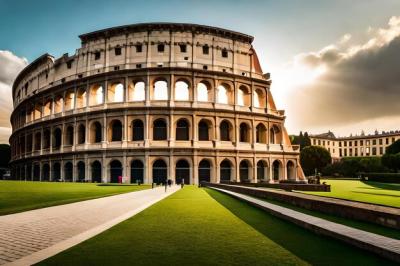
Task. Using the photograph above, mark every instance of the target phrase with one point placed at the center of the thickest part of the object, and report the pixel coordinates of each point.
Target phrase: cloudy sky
(334, 65)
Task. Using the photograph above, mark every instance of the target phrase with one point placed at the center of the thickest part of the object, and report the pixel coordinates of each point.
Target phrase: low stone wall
(386, 216)
(287, 186)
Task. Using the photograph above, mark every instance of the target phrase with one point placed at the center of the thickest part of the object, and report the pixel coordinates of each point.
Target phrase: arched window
(96, 172)
(160, 91)
(38, 111)
(137, 171)
(68, 172)
(137, 91)
(244, 171)
(95, 132)
(38, 141)
(159, 129)
(56, 172)
(182, 130)
(290, 169)
(203, 92)
(46, 172)
(259, 98)
(115, 131)
(57, 138)
(58, 103)
(261, 133)
(115, 171)
(181, 91)
(225, 129)
(29, 143)
(81, 171)
(159, 171)
(243, 96)
(204, 130)
(47, 108)
(81, 98)
(276, 170)
(225, 170)
(137, 130)
(96, 95)
(224, 94)
(244, 133)
(182, 172)
(69, 136)
(262, 170)
(46, 139)
(36, 172)
(274, 137)
(69, 100)
(115, 93)
(204, 171)
(81, 134)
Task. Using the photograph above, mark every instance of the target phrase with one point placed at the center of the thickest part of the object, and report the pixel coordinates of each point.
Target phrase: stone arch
(96, 135)
(245, 171)
(225, 130)
(136, 91)
(56, 171)
(81, 171)
(205, 130)
(69, 136)
(205, 167)
(137, 171)
(137, 130)
(37, 113)
(243, 96)
(291, 170)
(46, 138)
(96, 171)
(96, 94)
(244, 132)
(159, 171)
(224, 94)
(36, 172)
(81, 134)
(57, 135)
(68, 171)
(69, 101)
(261, 133)
(81, 98)
(115, 130)
(182, 90)
(226, 172)
(262, 170)
(38, 141)
(115, 92)
(182, 172)
(275, 135)
(259, 98)
(159, 90)
(277, 170)
(47, 107)
(46, 172)
(58, 104)
(160, 129)
(115, 167)
(182, 129)
(204, 91)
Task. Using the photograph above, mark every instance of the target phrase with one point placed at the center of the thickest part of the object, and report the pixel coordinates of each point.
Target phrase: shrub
(352, 166)
(381, 177)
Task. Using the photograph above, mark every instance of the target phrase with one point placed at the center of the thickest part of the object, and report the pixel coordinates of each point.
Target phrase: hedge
(381, 177)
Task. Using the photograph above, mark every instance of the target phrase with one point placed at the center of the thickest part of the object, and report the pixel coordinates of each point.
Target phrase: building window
(182, 130)
(138, 48)
(161, 48)
(183, 48)
(361, 142)
(393, 140)
(224, 53)
(355, 143)
(373, 151)
(387, 140)
(345, 152)
(117, 51)
(69, 64)
(355, 152)
(351, 152)
(381, 150)
(206, 49)
(368, 142)
(374, 142)
(160, 129)
(380, 141)
(323, 143)
(345, 143)
(97, 55)
(340, 144)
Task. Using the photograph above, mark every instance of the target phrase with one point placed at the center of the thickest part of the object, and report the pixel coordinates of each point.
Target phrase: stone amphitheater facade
(146, 102)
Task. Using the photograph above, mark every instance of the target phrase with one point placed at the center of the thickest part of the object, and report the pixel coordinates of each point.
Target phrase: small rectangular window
(224, 53)
(183, 48)
(138, 65)
(205, 49)
(118, 51)
(69, 64)
(138, 48)
(160, 48)
(96, 55)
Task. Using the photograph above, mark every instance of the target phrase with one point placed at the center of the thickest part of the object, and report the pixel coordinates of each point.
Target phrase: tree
(314, 157)
(5, 155)
(391, 158)
(302, 139)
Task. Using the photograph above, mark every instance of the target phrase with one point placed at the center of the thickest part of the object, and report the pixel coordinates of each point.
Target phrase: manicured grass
(205, 227)
(370, 192)
(17, 196)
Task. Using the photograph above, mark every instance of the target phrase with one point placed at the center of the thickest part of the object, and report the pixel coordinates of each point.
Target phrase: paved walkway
(29, 237)
(381, 245)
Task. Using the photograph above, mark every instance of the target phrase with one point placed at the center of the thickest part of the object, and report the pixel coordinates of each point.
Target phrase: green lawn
(205, 227)
(17, 196)
(370, 192)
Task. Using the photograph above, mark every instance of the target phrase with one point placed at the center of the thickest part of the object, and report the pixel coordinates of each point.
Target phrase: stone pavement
(380, 245)
(29, 237)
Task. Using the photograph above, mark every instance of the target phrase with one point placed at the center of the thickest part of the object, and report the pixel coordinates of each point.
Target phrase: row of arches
(159, 91)
(159, 171)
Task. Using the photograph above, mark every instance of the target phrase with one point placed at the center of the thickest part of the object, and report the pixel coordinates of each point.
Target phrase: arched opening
(225, 170)
(276, 170)
(261, 133)
(137, 170)
(57, 138)
(244, 171)
(81, 134)
(244, 133)
(36, 172)
(115, 93)
(56, 172)
(45, 172)
(95, 132)
(115, 171)
(182, 130)
(69, 100)
(96, 95)
(204, 171)
(46, 139)
(29, 145)
(58, 104)
(274, 135)
(243, 96)
(182, 172)
(137, 130)
(224, 94)
(47, 108)
(159, 129)
(204, 92)
(68, 172)
(38, 141)
(159, 172)
(69, 136)
(37, 111)
(204, 130)
(181, 91)
(262, 170)
(160, 90)
(225, 131)
(137, 91)
(115, 131)
(290, 170)
(96, 172)
(81, 171)
(29, 171)
(81, 98)
(259, 98)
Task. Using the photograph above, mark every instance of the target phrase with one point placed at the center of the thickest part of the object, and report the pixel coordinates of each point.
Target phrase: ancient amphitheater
(147, 102)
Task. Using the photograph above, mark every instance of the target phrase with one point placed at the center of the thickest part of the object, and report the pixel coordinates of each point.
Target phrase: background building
(149, 102)
(355, 146)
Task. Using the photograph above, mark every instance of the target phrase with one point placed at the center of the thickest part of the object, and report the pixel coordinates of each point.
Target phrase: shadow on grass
(376, 194)
(313, 248)
(388, 186)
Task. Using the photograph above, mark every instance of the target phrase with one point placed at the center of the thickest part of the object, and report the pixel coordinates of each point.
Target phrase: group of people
(169, 182)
